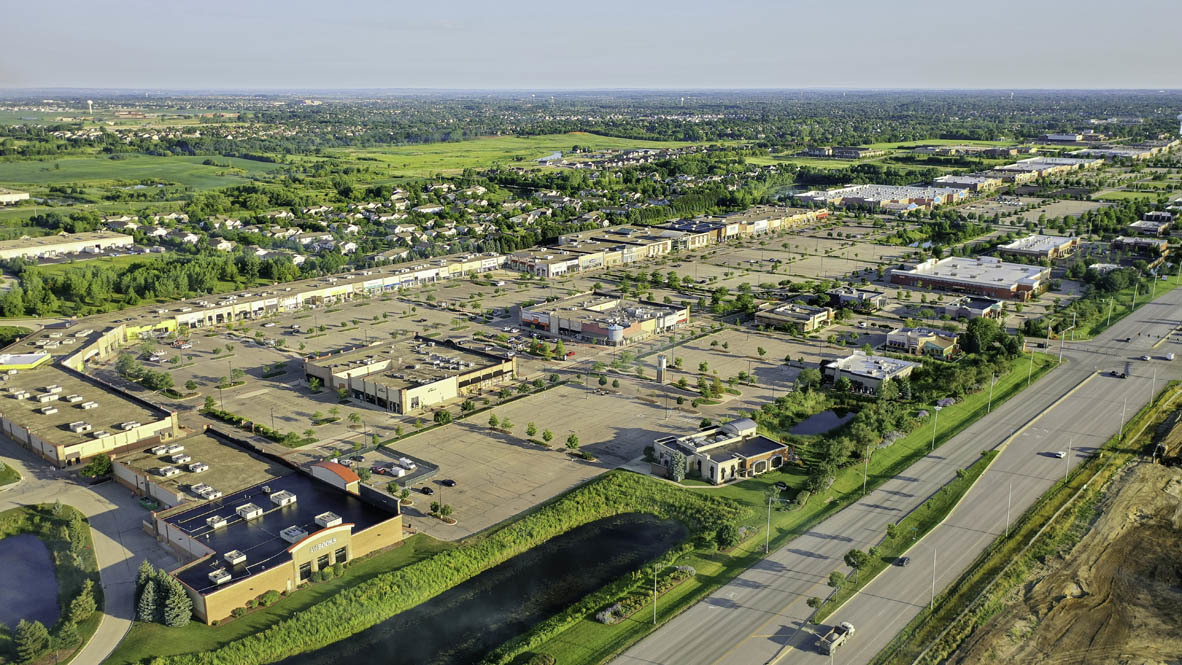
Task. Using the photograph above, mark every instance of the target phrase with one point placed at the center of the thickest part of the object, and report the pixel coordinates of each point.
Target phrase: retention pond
(29, 585)
(461, 625)
(820, 423)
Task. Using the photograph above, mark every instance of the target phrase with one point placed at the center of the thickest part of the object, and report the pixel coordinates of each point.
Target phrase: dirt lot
(1117, 596)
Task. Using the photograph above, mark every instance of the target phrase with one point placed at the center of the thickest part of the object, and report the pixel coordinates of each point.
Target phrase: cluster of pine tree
(161, 598)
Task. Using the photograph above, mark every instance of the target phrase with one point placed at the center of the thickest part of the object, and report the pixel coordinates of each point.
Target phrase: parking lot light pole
(1009, 499)
(989, 406)
(1067, 460)
(932, 604)
(1110, 303)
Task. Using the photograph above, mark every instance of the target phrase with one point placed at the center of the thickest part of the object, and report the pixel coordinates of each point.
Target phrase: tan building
(1041, 246)
(794, 316)
(602, 318)
(412, 374)
(923, 341)
(727, 452)
(62, 244)
(866, 373)
(981, 276)
(12, 197)
(272, 536)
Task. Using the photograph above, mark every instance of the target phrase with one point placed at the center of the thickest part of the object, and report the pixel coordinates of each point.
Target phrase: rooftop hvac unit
(168, 471)
(80, 427)
(249, 511)
(198, 467)
(73, 399)
(159, 450)
(48, 410)
(46, 397)
(180, 459)
(101, 434)
(173, 449)
(199, 487)
(328, 519)
(88, 405)
(52, 389)
(215, 522)
(209, 493)
(283, 498)
(129, 425)
(293, 534)
(220, 576)
(20, 394)
(234, 557)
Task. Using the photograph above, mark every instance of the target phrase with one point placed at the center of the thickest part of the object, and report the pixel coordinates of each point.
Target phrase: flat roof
(413, 361)
(26, 242)
(749, 447)
(230, 468)
(112, 410)
(259, 538)
(979, 271)
(877, 367)
(603, 309)
(1039, 243)
(759, 213)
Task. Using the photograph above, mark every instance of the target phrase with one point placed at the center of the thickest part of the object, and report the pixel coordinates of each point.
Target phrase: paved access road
(761, 614)
(116, 528)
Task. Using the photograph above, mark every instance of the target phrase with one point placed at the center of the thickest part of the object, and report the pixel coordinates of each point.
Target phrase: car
(1128, 339)
(427, 490)
(268, 325)
(448, 482)
(781, 485)
(861, 324)
(1145, 358)
(1059, 454)
(902, 561)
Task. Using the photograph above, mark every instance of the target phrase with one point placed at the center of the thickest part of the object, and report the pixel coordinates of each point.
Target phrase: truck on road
(836, 636)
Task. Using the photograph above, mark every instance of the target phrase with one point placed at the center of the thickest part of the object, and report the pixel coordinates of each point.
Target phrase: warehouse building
(1041, 246)
(63, 244)
(412, 374)
(602, 318)
(866, 373)
(12, 197)
(972, 183)
(982, 276)
(67, 417)
(885, 197)
(272, 536)
(794, 316)
(726, 452)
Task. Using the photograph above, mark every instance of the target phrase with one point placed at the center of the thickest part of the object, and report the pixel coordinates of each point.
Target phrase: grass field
(188, 171)
(1123, 195)
(814, 162)
(424, 160)
(146, 641)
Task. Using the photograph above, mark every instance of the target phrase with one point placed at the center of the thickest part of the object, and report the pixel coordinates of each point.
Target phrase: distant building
(863, 299)
(91, 242)
(982, 276)
(923, 341)
(866, 373)
(601, 318)
(1146, 247)
(794, 316)
(974, 307)
(1041, 246)
(730, 451)
(1153, 223)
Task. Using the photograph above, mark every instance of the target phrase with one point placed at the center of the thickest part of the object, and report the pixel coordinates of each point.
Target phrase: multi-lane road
(761, 616)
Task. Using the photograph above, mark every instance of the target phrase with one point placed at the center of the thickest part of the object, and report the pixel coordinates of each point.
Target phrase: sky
(612, 44)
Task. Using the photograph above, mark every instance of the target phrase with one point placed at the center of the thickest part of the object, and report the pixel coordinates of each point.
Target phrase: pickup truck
(836, 636)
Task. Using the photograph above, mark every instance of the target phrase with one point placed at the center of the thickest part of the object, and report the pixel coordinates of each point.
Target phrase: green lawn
(8, 475)
(1122, 195)
(423, 160)
(814, 162)
(146, 641)
(97, 170)
(589, 642)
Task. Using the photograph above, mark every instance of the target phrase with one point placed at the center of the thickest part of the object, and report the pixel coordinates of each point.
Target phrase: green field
(188, 171)
(814, 162)
(424, 160)
(1122, 195)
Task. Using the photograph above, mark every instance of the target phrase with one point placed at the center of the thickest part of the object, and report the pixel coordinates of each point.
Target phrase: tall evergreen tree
(178, 609)
(32, 639)
(83, 605)
(145, 609)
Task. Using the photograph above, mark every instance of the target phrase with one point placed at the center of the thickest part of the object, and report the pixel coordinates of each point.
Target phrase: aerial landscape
(647, 334)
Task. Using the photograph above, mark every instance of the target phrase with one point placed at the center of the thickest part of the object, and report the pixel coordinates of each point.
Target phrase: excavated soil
(1115, 598)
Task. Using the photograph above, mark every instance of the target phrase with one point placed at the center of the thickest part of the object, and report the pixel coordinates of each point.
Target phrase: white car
(1060, 455)
(1145, 358)
(268, 325)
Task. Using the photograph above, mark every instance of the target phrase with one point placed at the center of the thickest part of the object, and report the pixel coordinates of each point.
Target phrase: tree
(603, 380)
(445, 510)
(342, 393)
(842, 385)
(178, 607)
(83, 605)
(237, 374)
(145, 573)
(572, 441)
(506, 425)
(761, 351)
(727, 536)
(443, 416)
(190, 385)
(615, 383)
(145, 609)
(814, 602)
(836, 579)
(809, 378)
(856, 559)
(547, 435)
(210, 403)
(531, 429)
(32, 639)
(354, 419)
(100, 465)
(67, 634)
(314, 384)
(493, 422)
(677, 466)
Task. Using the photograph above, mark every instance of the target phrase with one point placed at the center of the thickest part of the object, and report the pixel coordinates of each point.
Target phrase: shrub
(269, 598)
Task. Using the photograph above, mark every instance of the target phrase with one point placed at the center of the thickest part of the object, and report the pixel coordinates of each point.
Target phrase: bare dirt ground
(1115, 598)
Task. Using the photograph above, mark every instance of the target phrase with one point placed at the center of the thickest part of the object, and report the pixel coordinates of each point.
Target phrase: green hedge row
(384, 596)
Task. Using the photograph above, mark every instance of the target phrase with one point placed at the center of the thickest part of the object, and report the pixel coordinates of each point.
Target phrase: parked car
(448, 483)
(1145, 358)
(902, 561)
(427, 490)
(1059, 454)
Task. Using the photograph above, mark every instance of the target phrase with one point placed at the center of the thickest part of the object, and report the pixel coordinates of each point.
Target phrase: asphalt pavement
(761, 615)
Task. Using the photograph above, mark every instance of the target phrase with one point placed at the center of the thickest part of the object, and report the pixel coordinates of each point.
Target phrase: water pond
(820, 423)
(28, 585)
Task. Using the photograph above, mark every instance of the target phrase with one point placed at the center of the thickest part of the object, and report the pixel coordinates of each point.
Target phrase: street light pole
(654, 594)
(1009, 498)
(1153, 384)
(767, 541)
(1120, 433)
(1110, 303)
(989, 406)
(935, 420)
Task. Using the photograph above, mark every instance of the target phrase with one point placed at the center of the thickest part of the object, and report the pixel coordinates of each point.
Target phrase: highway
(761, 615)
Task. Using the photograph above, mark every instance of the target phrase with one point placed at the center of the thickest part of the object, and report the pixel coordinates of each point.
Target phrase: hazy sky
(592, 44)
